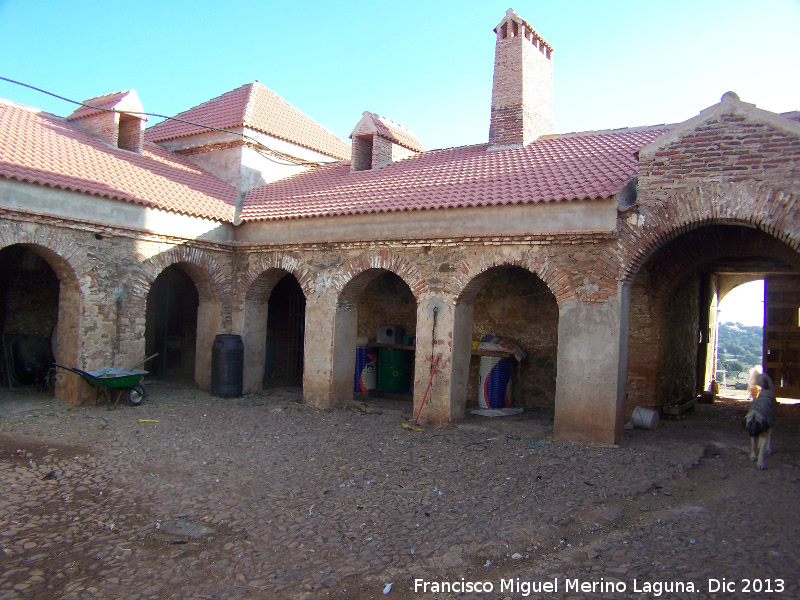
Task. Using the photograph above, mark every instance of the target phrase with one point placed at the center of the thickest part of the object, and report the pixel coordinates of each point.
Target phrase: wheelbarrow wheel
(135, 395)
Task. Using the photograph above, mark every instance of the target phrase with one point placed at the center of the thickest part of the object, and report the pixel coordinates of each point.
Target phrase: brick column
(592, 369)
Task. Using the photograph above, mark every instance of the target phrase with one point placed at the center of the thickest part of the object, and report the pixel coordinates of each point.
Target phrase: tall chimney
(522, 90)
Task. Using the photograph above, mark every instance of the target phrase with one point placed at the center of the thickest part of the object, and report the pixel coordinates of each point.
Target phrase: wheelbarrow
(115, 382)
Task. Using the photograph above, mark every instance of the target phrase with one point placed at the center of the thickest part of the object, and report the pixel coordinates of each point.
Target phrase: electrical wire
(261, 148)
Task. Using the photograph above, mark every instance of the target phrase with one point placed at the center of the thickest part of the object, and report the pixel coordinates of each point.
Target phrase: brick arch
(60, 251)
(705, 245)
(210, 282)
(208, 277)
(69, 266)
(257, 281)
(349, 289)
(469, 279)
(750, 205)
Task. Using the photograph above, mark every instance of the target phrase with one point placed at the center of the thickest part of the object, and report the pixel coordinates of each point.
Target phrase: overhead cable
(260, 147)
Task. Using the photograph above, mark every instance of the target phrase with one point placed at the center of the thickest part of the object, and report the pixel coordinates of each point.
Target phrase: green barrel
(393, 370)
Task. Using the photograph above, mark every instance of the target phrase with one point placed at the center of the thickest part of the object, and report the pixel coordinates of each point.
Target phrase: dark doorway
(171, 328)
(285, 333)
(29, 294)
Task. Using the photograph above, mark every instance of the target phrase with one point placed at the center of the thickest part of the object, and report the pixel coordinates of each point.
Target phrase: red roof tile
(41, 148)
(394, 132)
(551, 169)
(259, 108)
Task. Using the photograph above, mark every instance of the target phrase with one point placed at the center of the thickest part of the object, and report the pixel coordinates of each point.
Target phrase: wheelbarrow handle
(141, 362)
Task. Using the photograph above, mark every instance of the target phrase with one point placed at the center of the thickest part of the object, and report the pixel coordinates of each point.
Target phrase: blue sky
(426, 65)
(744, 304)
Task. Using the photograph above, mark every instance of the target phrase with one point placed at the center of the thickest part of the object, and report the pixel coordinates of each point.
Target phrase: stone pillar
(344, 354)
(251, 323)
(318, 376)
(96, 335)
(462, 355)
(441, 408)
(208, 325)
(66, 351)
(592, 369)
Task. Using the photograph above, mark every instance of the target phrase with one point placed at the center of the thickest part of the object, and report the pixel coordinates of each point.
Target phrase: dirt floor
(191, 496)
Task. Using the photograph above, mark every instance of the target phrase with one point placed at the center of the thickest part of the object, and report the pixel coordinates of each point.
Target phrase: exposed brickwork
(383, 260)
(104, 126)
(385, 152)
(664, 310)
(522, 90)
(209, 278)
(759, 205)
(131, 134)
(211, 147)
(729, 149)
(361, 159)
(263, 272)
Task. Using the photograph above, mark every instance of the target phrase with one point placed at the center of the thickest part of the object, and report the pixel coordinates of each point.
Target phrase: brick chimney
(105, 118)
(522, 90)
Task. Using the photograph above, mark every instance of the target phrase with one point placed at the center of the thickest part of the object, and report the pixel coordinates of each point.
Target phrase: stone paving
(309, 504)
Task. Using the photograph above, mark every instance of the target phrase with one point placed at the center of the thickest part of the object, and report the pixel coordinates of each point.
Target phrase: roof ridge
(249, 106)
(618, 130)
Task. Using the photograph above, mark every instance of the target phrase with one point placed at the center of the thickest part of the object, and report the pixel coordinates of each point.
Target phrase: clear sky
(744, 304)
(424, 64)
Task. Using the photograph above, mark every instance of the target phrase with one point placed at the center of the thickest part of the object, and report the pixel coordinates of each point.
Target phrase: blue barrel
(494, 388)
(227, 366)
(366, 375)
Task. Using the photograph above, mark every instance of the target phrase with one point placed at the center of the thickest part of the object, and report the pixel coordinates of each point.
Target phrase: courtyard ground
(272, 499)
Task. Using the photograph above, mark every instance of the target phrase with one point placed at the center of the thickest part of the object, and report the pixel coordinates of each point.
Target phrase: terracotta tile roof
(259, 108)
(394, 132)
(551, 169)
(41, 148)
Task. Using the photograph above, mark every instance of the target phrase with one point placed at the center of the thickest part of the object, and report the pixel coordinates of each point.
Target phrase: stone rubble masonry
(586, 272)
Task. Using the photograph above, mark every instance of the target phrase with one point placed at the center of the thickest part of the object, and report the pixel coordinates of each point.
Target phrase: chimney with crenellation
(522, 90)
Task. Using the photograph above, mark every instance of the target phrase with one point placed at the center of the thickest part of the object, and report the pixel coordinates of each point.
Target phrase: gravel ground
(297, 503)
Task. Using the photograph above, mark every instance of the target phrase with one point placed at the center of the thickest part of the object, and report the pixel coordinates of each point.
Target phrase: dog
(760, 419)
(752, 387)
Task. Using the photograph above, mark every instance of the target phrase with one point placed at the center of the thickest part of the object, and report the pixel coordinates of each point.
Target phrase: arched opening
(28, 317)
(39, 309)
(515, 305)
(273, 331)
(171, 324)
(673, 316)
(377, 313)
(286, 318)
(740, 331)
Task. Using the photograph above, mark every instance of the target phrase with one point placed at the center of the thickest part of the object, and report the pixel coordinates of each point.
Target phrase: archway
(285, 338)
(740, 330)
(513, 304)
(39, 313)
(171, 324)
(674, 297)
(376, 309)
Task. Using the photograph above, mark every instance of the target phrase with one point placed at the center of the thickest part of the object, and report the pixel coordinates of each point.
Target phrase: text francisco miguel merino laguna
(597, 586)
